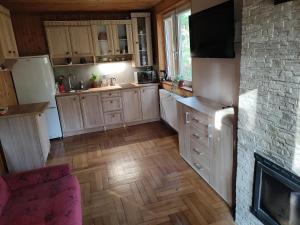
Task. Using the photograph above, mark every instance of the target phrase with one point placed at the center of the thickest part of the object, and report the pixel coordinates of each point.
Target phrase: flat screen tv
(212, 32)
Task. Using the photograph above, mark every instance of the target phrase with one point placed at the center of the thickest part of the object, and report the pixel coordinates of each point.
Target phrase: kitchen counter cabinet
(70, 114)
(132, 105)
(24, 137)
(150, 103)
(106, 108)
(92, 112)
(206, 142)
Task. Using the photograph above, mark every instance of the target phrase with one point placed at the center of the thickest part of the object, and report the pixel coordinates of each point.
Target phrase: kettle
(113, 81)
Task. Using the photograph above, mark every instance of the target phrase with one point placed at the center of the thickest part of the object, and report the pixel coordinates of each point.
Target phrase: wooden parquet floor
(135, 176)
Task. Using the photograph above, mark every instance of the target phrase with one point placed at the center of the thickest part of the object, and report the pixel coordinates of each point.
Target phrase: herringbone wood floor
(135, 176)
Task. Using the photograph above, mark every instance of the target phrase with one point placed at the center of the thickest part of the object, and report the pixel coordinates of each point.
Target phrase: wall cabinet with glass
(141, 25)
(112, 38)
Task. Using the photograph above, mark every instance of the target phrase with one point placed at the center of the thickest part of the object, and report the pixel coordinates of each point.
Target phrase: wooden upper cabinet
(8, 46)
(150, 105)
(122, 33)
(103, 38)
(59, 41)
(92, 112)
(142, 39)
(70, 114)
(81, 40)
(132, 105)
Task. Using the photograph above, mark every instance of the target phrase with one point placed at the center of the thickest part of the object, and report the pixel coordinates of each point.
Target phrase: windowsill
(181, 91)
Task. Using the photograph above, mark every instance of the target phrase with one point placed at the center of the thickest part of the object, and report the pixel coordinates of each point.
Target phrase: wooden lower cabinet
(83, 113)
(92, 112)
(206, 142)
(132, 107)
(25, 141)
(150, 103)
(70, 114)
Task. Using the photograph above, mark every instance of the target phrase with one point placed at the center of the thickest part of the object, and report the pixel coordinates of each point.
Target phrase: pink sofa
(47, 196)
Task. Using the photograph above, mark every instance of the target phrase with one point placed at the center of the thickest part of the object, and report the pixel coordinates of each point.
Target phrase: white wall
(217, 79)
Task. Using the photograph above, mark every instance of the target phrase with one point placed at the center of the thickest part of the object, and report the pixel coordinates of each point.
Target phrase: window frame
(175, 24)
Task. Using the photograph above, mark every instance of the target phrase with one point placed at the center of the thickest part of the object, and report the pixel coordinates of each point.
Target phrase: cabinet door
(92, 112)
(103, 39)
(183, 115)
(142, 40)
(123, 38)
(81, 40)
(7, 38)
(132, 105)
(70, 113)
(43, 135)
(150, 106)
(58, 41)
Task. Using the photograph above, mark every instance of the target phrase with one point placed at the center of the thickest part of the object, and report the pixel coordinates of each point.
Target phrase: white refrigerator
(34, 82)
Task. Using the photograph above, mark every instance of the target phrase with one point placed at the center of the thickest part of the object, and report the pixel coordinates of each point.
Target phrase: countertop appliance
(145, 76)
(34, 82)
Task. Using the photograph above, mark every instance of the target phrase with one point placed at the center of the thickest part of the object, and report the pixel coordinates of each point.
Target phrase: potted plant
(93, 81)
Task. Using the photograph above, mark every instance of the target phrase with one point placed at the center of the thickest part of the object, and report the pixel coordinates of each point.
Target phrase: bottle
(81, 85)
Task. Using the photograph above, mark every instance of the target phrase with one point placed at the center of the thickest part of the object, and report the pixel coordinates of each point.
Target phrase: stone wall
(269, 112)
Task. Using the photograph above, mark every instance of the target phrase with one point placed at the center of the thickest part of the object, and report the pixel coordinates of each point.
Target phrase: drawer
(113, 118)
(201, 170)
(110, 94)
(112, 104)
(200, 154)
(200, 135)
(200, 119)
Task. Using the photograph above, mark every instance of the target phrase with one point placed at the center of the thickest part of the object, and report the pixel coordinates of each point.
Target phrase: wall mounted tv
(212, 32)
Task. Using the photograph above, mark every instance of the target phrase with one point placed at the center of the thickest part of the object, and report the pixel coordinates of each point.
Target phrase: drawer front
(201, 135)
(204, 172)
(200, 154)
(112, 104)
(110, 94)
(113, 118)
(200, 119)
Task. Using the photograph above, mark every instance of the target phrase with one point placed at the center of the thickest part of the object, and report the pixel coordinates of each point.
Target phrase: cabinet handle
(187, 115)
(199, 167)
(109, 94)
(113, 116)
(111, 102)
(9, 52)
(118, 50)
(196, 136)
(109, 51)
(67, 53)
(14, 51)
(135, 92)
(74, 99)
(82, 98)
(198, 152)
(76, 52)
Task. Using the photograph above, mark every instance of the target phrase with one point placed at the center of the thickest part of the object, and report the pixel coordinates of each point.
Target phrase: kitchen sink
(128, 85)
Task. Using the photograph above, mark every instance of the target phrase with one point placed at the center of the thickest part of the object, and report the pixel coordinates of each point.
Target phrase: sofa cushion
(4, 194)
(53, 203)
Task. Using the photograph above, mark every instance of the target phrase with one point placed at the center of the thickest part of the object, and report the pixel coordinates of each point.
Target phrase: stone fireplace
(269, 107)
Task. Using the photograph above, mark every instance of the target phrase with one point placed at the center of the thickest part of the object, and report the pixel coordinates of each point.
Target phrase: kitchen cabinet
(24, 137)
(81, 40)
(70, 114)
(92, 112)
(206, 142)
(8, 46)
(149, 101)
(142, 39)
(132, 107)
(59, 41)
(112, 37)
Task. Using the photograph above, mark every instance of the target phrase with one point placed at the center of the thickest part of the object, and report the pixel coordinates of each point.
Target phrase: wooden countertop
(209, 107)
(108, 88)
(25, 110)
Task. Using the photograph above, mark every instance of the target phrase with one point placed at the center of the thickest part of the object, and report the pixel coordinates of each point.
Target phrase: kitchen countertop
(108, 88)
(209, 107)
(25, 110)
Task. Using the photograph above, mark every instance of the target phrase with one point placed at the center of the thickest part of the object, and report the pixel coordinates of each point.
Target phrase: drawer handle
(109, 94)
(196, 136)
(199, 167)
(198, 152)
(113, 116)
(196, 120)
(187, 115)
(111, 102)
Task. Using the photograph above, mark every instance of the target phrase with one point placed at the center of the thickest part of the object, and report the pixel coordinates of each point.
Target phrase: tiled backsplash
(123, 71)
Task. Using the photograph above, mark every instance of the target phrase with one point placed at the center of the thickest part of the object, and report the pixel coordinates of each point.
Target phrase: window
(177, 43)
